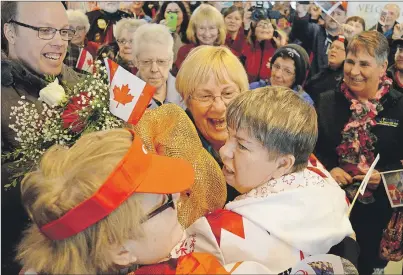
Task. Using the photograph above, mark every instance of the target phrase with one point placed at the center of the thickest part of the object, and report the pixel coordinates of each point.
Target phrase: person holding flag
(315, 38)
(360, 118)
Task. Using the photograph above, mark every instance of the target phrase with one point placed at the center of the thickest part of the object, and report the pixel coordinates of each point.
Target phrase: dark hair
(251, 38)
(161, 16)
(9, 10)
(357, 19)
(232, 9)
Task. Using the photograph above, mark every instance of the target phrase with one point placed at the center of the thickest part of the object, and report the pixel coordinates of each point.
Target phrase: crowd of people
(275, 115)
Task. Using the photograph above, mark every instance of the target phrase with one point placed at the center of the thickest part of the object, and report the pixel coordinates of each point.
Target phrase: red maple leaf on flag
(122, 95)
(89, 62)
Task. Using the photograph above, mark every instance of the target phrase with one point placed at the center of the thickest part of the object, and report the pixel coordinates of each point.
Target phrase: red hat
(138, 172)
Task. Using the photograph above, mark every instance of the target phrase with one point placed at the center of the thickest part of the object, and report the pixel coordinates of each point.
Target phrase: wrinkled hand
(374, 179)
(341, 176)
(397, 32)
(315, 12)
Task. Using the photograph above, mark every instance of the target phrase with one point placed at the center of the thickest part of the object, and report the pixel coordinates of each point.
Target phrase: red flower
(70, 116)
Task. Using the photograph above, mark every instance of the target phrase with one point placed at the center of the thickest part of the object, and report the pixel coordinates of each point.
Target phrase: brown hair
(9, 11)
(65, 178)
(356, 19)
(279, 119)
(373, 42)
(231, 10)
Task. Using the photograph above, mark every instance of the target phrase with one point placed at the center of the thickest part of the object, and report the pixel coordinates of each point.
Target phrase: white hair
(78, 16)
(128, 23)
(150, 34)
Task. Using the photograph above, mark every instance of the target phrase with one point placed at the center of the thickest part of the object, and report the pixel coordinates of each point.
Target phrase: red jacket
(256, 59)
(182, 54)
(236, 45)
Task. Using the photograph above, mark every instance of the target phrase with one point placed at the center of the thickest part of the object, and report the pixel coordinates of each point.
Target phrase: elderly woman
(153, 57)
(233, 17)
(360, 118)
(121, 51)
(289, 66)
(78, 21)
(263, 40)
(333, 73)
(210, 78)
(182, 22)
(206, 27)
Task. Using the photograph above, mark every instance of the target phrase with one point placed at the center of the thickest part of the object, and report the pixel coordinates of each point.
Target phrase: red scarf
(356, 151)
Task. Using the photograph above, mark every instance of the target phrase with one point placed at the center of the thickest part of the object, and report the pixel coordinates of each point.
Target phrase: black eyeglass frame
(165, 206)
(39, 28)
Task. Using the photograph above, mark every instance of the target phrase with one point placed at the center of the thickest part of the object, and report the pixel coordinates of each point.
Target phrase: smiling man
(35, 38)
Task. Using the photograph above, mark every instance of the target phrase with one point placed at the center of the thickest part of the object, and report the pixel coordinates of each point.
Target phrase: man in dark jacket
(22, 74)
(395, 71)
(386, 26)
(315, 38)
(102, 22)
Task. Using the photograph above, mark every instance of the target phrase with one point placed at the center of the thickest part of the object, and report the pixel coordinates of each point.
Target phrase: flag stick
(325, 11)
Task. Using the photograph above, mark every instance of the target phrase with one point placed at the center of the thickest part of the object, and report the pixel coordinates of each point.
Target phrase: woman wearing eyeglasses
(78, 22)
(289, 66)
(121, 51)
(209, 79)
(153, 57)
(262, 41)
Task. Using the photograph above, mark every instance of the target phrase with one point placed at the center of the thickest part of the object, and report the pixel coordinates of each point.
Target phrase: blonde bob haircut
(79, 17)
(128, 23)
(206, 12)
(204, 61)
(279, 119)
(65, 178)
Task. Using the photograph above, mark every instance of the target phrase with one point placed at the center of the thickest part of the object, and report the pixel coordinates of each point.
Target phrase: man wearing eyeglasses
(35, 37)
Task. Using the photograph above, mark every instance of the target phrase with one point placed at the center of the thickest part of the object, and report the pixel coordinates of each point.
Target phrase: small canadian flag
(129, 95)
(85, 61)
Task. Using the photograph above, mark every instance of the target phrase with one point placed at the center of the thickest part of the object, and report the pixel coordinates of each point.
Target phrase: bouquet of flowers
(64, 115)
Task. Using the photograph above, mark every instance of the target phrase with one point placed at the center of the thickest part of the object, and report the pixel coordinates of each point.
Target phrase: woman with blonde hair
(206, 27)
(209, 79)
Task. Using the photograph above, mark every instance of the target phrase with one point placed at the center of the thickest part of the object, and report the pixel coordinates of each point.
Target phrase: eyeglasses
(159, 62)
(287, 72)
(78, 29)
(337, 48)
(124, 41)
(47, 33)
(264, 25)
(165, 206)
(208, 99)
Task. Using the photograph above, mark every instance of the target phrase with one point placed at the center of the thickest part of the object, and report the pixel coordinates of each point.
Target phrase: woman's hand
(374, 179)
(163, 22)
(397, 32)
(347, 31)
(341, 176)
(281, 40)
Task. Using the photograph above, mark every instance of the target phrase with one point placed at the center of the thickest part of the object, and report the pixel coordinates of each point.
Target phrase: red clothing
(236, 45)
(256, 59)
(182, 54)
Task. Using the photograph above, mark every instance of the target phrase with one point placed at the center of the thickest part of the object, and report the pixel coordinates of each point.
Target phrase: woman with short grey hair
(359, 119)
(78, 21)
(153, 56)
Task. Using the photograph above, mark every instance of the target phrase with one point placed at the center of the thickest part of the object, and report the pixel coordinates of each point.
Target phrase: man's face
(339, 15)
(42, 56)
(391, 15)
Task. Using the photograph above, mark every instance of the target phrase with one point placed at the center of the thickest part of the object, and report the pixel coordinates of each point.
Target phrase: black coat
(323, 81)
(368, 220)
(97, 32)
